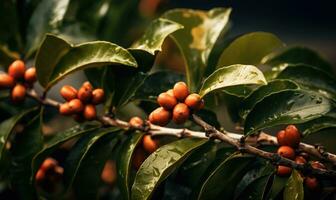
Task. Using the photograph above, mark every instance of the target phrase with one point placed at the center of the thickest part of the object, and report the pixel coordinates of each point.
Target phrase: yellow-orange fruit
(6, 81)
(170, 92)
(318, 165)
(18, 93)
(109, 173)
(284, 170)
(180, 91)
(149, 144)
(85, 94)
(64, 109)
(30, 75)
(180, 113)
(76, 106)
(311, 183)
(138, 157)
(88, 85)
(59, 170)
(90, 112)
(193, 101)
(136, 122)
(68, 92)
(48, 163)
(289, 137)
(287, 152)
(98, 96)
(300, 160)
(40, 175)
(160, 116)
(17, 69)
(166, 101)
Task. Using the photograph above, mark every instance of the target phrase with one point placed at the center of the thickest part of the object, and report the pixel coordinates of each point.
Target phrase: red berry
(311, 183)
(180, 113)
(300, 160)
(90, 112)
(76, 106)
(98, 96)
(166, 101)
(160, 116)
(17, 69)
(287, 152)
(68, 92)
(6, 81)
(284, 170)
(136, 122)
(193, 101)
(30, 75)
(18, 93)
(180, 91)
(149, 144)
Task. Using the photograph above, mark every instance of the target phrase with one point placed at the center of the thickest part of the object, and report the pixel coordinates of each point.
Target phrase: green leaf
(124, 163)
(278, 185)
(294, 187)
(7, 126)
(163, 81)
(263, 91)
(47, 17)
(257, 189)
(286, 107)
(25, 146)
(232, 76)
(59, 139)
(152, 40)
(317, 125)
(197, 39)
(249, 49)
(296, 55)
(87, 181)
(57, 58)
(311, 78)
(9, 33)
(160, 164)
(80, 153)
(228, 174)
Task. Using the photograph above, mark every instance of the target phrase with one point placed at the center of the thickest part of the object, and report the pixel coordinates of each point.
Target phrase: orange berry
(64, 109)
(287, 152)
(180, 91)
(40, 175)
(318, 165)
(85, 94)
(59, 170)
(160, 116)
(138, 157)
(136, 122)
(76, 106)
(149, 144)
(30, 75)
(311, 183)
(193, 101)
(289, 137)
(48, 163)
(201, 105)
(90, 112)
(88, 85)
(109, 173)
(68, 92)
(17, 69)
(300, 160)
(180, 113)
(98, 96)
(170, 92)
(284, 170)
(166, 101)
(6, 81)
(18, 93)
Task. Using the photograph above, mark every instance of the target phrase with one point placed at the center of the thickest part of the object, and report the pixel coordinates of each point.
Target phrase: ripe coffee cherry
(109, 174)
(98, 96)
(136, 122)
(318, 165)
(149, 144)
(18, 93)
(64, 109)
(201, 105)
(59, 170)
(287, 152)
(311, 183)
(160, 116)
(40, 175)
(90, 112)
(166, 101)
(289, 137)
(180, 91)
(48, 163)
(68, 92)
(284, 170)
(17, 69)
(30, 75)
(300, 160)
(138, 158)
(180, 113)
(193, 101)
(170, 92)
(85, 94)
(76, 106)
(88, 85)
(6, 81)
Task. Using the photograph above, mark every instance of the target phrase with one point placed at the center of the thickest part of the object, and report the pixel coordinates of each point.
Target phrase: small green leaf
(263, 91)
(232, 76)
(296, 55)
(152, 40)
(47, 17)
(57, 58)
(286, 107)
(278, 185)
(294, 187)
(160, 164)
(124, 163)
(249, 49)
(197, 39)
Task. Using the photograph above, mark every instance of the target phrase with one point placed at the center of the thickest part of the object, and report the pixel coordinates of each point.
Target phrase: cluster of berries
(50, 170)
(18, 79)
(81, 104)
(176, 104)
(288, 140)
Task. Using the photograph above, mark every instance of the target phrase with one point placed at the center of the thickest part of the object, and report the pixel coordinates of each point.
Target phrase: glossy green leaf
(311, 78)
(124, 163)
(87, 181)
(296, 55)
(196, 40)
(249, 49)
(47, 17)
(160, 164)
(59, 139)
(7, 56)
(57, 58)
(263, 91)
(154, 36)
(228, 174)
(294, 187)
(278, 185)
(80, 152)
(286, 107)
(232, 76)
(317, 125)
(257, 189)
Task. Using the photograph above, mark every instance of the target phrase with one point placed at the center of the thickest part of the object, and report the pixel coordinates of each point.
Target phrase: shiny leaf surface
(294, 187)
